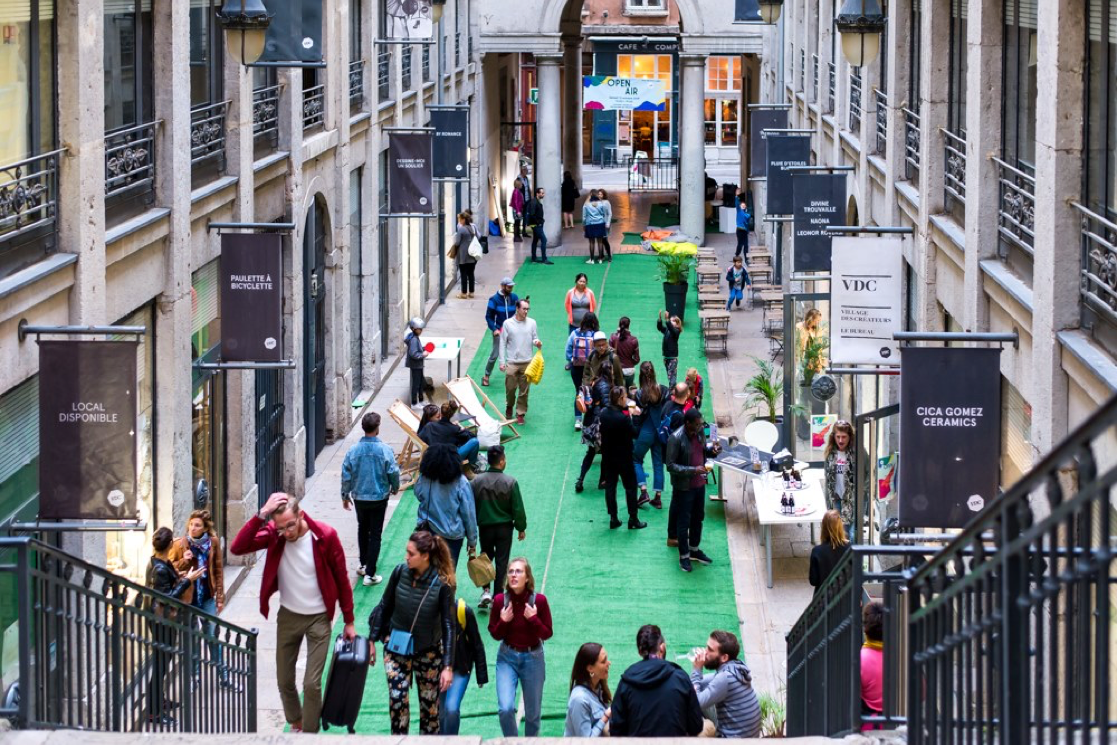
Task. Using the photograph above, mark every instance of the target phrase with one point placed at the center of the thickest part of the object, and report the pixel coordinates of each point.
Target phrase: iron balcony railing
(1099, 265)
(384, 74)
(427, 62)
(831, 86)
(207, 134)
(314, 107)
(954, 168)
(405, 73)
(1016, 221)
(652, 174)
(854, 100)
(457, 49)
(803, 71)
(130, 160)
(29, 196)
(814, 77)
(1014, 643)
(99, 652)
(356, 84)
(911, 144)
(881, 103)
(265, 114)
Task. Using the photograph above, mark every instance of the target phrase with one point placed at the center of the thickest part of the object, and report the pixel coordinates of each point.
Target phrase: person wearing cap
(601, 352)
(518, 336)
(501, 307)
(416, 356)
(688, 463)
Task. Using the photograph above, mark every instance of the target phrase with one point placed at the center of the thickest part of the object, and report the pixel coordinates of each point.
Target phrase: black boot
(614, 522)
(636, 524)
(579, 487)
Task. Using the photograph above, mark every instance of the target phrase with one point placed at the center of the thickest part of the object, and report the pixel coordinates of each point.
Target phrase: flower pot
(674, 299)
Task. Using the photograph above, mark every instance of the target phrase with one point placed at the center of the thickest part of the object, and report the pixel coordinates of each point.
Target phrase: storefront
(207, 485)
(723, 109)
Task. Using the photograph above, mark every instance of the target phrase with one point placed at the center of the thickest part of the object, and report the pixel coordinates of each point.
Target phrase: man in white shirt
(517, 337)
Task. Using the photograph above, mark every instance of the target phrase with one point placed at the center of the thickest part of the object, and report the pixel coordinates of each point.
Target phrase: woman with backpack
(650, 399)
(467, 263)
(469, 654)
(593, 221)
(579, 345)
(592, 400)
(628, 349)
(415, 621)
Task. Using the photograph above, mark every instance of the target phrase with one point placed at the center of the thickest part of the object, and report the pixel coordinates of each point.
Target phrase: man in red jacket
(306, 564)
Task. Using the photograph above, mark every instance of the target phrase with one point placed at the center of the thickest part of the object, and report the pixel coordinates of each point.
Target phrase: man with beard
(729, 688)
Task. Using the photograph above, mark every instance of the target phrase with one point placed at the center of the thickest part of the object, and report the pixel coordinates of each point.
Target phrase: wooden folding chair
(412, 451)
(476, 405)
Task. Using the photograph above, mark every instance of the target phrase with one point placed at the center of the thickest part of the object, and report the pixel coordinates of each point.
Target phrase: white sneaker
(577, 424)
(373, 579)
(589, 261)
(361, 570)
(486, 599)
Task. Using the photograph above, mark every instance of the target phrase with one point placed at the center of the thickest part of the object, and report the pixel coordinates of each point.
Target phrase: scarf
(201, 548)
(879, 646)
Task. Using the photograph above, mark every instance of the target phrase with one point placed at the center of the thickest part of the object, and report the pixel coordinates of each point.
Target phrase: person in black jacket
(593, 397)
(617, 438)
(417, 608)
(686, 461)
(826, 555)
(415, 356)
(469, 653)
(534, 217)
(655, 697)
(670, 326)
(438, 426)
(165, 579)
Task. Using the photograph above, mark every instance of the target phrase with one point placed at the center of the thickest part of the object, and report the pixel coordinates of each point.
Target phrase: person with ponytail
(417, 608)
(628, 349)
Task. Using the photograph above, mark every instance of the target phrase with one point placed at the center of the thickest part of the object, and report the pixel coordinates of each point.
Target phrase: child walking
(737, 277)
(670, 330)
(416, 356)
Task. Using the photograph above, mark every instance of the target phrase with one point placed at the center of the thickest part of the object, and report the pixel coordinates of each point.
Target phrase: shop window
(723, 74)
(645, 7)
(722, 121)
(1016, 435)
(19, 458)
(207, 488)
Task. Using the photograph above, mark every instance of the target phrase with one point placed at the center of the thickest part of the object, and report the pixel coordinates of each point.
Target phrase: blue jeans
(210, 630)
(450, 708)
(538, 238)
(646, 441)
(529, 670)
(455, 546)
(735, 293)
(469, 450)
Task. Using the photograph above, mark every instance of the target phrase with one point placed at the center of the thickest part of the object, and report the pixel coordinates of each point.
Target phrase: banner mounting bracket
(281, 365)
(24, 329)
(993, 337)
(261, 227)
(868, 229)
(61, 526)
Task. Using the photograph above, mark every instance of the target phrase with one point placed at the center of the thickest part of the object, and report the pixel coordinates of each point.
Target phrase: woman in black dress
(569, 197)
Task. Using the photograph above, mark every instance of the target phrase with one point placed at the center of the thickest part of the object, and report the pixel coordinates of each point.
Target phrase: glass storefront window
(710, 107)
(729, 121)
(1101, 109)
(649, 131)
(207, 488)
(128, 63)
(1019, 83)
(722, 122)
(27, 126)
(809, 356)
(723, 74)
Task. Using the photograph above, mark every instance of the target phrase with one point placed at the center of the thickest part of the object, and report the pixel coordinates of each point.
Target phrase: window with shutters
(1016, 435)
(19, 457)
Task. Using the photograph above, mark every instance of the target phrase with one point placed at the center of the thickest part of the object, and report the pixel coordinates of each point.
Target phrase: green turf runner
(601, 584)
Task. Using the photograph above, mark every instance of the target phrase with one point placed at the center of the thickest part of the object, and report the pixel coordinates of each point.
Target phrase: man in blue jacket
(501, 307)
(369, 474)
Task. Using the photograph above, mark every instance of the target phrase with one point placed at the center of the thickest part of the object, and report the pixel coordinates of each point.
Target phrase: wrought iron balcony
(1099, 265)
(881, 99)
(854, 100)
(814, 77)
(954, 168)
(1016, 222)
(911, 144)
(427, 62)
(457, 49)
(28, 196)
(405, 73)
(130, 160)
(265, 113)
(314, 107)
(831, 86)
(356, 84)
(207, 134)
(384, 74)
(803, 71)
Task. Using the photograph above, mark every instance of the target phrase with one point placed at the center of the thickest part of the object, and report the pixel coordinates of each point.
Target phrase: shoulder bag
(475, 250)
(403, 642)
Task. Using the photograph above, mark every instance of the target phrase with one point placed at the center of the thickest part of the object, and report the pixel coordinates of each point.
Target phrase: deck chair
(412, 451)
(479, 407)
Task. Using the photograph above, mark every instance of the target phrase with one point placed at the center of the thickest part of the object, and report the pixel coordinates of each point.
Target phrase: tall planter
(674, 299)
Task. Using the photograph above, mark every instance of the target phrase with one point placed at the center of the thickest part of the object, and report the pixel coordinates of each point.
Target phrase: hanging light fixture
(246, 24)
(436, 9)
(861, 23)
(770, 10)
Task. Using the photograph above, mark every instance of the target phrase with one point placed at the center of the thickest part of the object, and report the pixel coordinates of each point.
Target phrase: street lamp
(860, 22)
(246, 24)
(436, 9)
(770, 10)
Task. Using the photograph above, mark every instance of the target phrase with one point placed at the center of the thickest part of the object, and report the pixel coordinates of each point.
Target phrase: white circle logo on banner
(458, 166)
(422, 200)
(307, 42)
(975, 503)
(116, 497)
(269, 343)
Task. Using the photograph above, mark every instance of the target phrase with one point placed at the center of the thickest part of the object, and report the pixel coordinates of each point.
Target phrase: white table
(445, 348)
(727, 219)
(766, 493)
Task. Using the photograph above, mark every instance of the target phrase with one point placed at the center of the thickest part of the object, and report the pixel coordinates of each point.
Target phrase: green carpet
(663, 214)
(601, 584)
(632, 239)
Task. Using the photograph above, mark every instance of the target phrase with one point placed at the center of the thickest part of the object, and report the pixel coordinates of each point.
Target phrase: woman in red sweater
(521, 621)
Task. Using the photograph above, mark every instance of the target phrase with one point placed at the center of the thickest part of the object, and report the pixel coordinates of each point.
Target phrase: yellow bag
(534, 371)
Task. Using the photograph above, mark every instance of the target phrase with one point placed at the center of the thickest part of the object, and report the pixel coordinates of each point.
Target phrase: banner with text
(784, 151)
(251, 297)
(295, 32)
(759, 120)
(609, 93)
(950, 434)
(411, 190)
(408, 19)
(820, 201)
(87, 430)
(451, 143)
(866, 293)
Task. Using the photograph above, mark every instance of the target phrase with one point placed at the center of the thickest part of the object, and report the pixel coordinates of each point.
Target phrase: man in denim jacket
(368, 475)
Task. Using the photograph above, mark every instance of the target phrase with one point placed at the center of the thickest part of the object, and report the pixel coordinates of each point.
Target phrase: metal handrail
(28, 198)
(832, 86)
(912, 147)
(130, 159)
(954, 166)
(1099, 264)
(356, 83)
(814, 76)
(314, 106)
(881, 100)
(427, 63)
(854, 100)
(405, 71)
(384, 74)
(1017, 205)
(652, 174)
(265, 114)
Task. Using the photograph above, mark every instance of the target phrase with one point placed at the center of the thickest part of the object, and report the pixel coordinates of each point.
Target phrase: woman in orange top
(579, 301)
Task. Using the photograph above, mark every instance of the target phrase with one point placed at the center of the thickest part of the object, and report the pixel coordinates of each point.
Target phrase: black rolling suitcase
(345, 685)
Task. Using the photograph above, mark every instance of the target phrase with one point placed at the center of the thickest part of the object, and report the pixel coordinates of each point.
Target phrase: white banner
(608, 93)
(867, 276)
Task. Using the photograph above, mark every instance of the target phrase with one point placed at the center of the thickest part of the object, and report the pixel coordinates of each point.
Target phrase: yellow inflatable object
(678, 249)
(534, 371)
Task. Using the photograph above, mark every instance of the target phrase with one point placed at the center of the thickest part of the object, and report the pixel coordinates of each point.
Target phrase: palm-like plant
(773, 715)
(765, 387)
(813, 358)
(674, 269)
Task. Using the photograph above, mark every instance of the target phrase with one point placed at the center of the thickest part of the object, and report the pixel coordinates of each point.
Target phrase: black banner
(747, 10)
(410, 189)
(251, 297)
(759, 120)
(451, 143)
(950, 434)
(295, 32)
(819, 201)
(784, 151)
(87, 430)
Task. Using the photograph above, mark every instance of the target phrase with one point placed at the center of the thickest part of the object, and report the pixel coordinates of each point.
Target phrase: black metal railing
(265, 114)
(314, 107)
(652, 174)
(130, 161)
(99, 652)
(356, 84)
(1014, 643)
(1016, 214)
(803, 71)
(29, 195)
(954, 169)
(831, 85)
(457, 49)
(384, 74)
(911, 144)
(881, 103)
(1099, 266)
(854, 100)
(405, 68)
(207, 134)
(427, 63)
(814, 77)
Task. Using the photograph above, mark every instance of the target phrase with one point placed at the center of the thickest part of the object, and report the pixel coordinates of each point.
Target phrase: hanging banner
(87, 430)
(609, 93)
(784, 151)
(886, 476)
(408, 19)
(821, 424)
(411, 191)
(950, 434)
(451, 143)
(760, 120)
(746, 10)
(819, 201)
(865, 300)
(295, 32)
(251, 297)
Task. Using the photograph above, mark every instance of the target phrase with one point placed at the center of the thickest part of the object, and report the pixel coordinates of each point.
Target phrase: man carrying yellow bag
(518, 336)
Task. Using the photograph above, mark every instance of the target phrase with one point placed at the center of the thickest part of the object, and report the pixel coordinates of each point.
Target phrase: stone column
(572, 107)
(548, 159)
(692, 148)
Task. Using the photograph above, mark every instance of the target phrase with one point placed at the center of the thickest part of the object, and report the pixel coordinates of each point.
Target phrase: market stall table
(810, 506)
(445, 348)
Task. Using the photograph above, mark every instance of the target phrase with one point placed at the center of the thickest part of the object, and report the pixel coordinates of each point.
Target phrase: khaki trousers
(516, 382)
(290, 630)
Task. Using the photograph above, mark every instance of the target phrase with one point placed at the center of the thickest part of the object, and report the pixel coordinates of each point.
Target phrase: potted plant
(812, 359)
(674, 270)
(773, 715)
(765, 388)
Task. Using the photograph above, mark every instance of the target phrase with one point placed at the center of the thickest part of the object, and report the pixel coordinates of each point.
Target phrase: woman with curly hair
(446, 505)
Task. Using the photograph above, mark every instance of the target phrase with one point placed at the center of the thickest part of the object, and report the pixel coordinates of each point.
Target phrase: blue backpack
(669, 424)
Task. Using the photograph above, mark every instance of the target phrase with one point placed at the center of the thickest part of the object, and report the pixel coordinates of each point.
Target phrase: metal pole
(271, 227)
(873, 229)
(440, 188)
(779, 253)
(816, 169)
(976, 336)
(24, 329)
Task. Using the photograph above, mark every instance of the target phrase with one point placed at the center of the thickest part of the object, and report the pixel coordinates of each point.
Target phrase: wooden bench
(705, 289)
(708, 276)
(715, 301)
(716, 341)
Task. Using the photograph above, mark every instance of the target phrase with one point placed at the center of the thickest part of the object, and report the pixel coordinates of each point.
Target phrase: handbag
(534, 370)
(474, 249)
(403, 642)
(453, 252)
(481, 570)
(591, 433)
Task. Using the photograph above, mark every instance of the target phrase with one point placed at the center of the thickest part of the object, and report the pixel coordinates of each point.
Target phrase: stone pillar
(572, 107)
(692, 148)
(1057, 262)
(548, 159)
